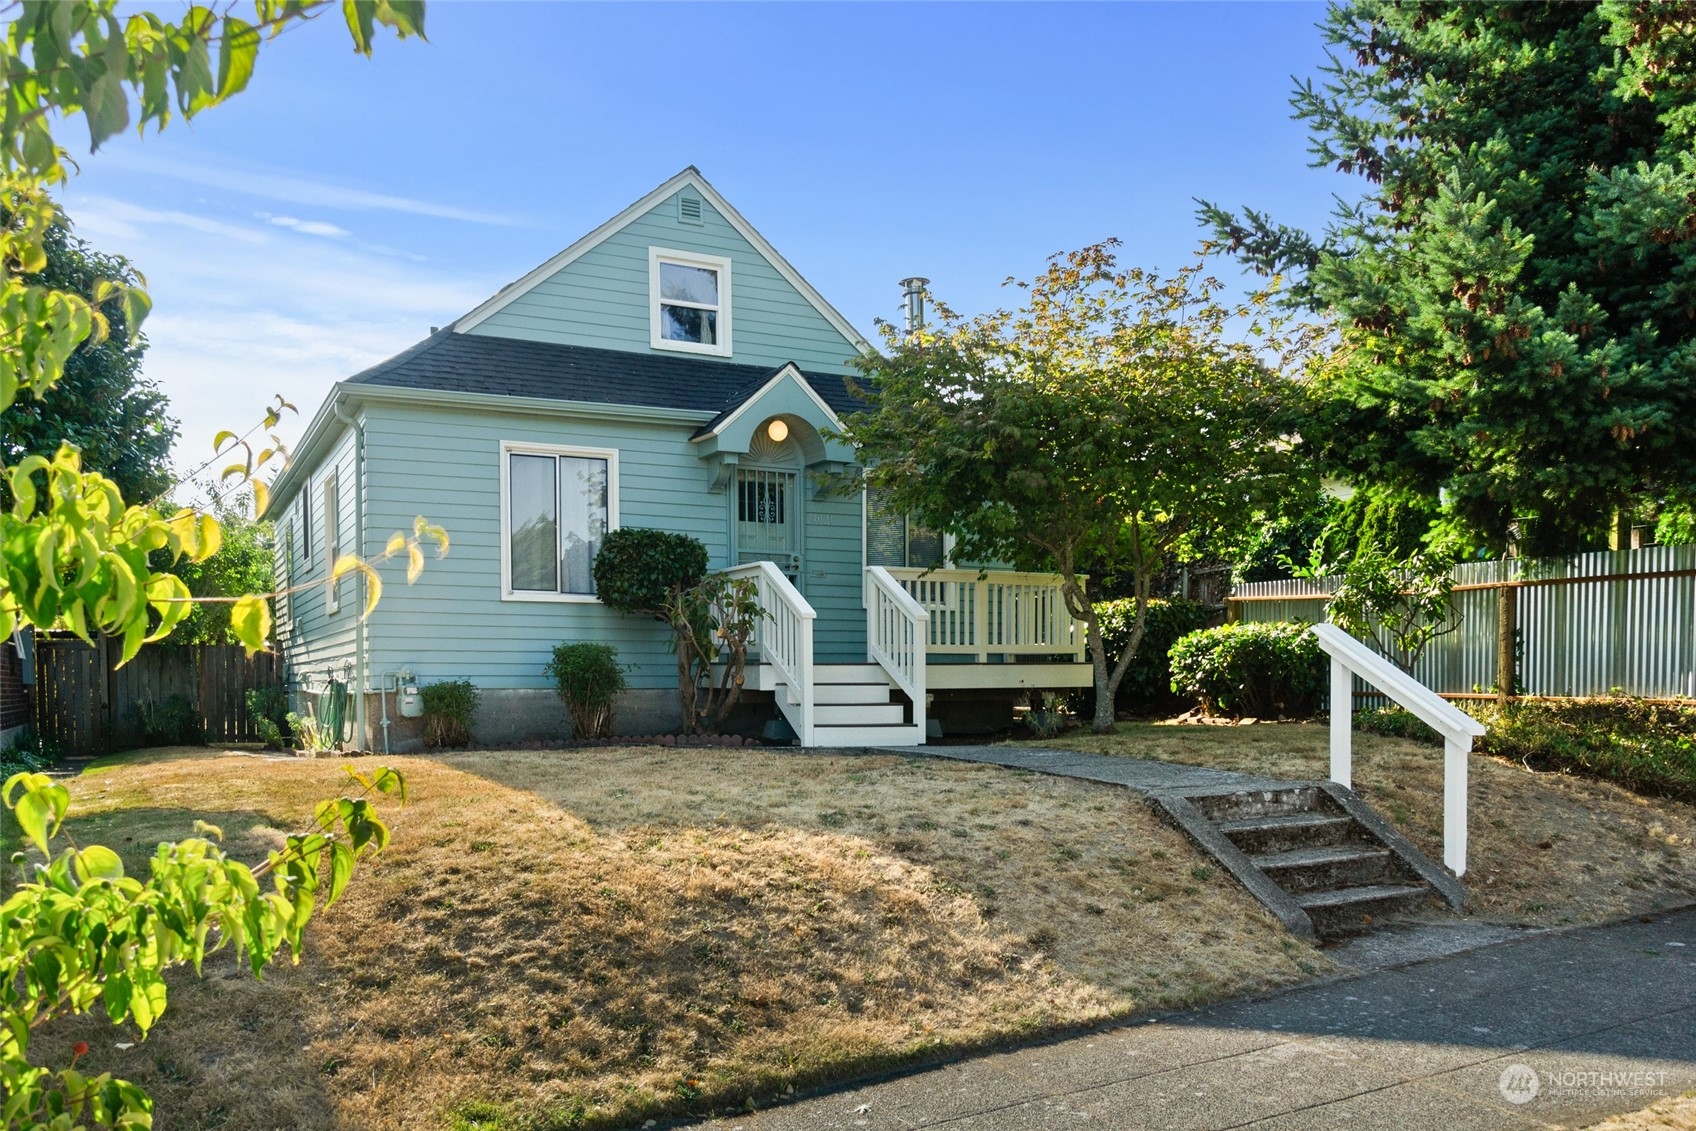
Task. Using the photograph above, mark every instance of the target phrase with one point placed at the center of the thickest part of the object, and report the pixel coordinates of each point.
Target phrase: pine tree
(1516, 291)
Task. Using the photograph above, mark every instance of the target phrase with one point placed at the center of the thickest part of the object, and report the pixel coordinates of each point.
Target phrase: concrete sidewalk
(1139, 774)
(1604, 1019)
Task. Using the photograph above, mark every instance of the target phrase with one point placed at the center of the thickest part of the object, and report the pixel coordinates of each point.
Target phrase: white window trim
(306, 525)
(509, 448)
(720, 264)
(332, 540)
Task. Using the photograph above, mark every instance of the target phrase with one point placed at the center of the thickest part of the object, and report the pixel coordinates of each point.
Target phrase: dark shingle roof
(475, 363)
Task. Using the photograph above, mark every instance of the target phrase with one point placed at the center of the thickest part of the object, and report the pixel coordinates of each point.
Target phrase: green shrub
(27, 753)
(637, 569)
(268, 707)
(1258, 670)
(1646, 747)
(589, 679)
(1147, 686)
(448, 707)
(171, 721)
(1395, 722)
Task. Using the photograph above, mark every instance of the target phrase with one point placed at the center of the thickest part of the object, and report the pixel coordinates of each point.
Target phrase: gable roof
(744, 398)
(689, 177)
(451, 362)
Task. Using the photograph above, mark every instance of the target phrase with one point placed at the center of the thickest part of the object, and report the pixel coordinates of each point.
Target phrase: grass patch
(1646, 747)
(1545, 848)
(590, 939)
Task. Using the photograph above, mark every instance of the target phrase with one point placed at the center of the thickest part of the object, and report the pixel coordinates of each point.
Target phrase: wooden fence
(1610, 622)
(87, 705)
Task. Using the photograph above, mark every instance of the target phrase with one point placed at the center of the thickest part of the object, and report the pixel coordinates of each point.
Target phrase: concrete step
(1289, 831)
(868, 735)
(1352, 910)
(850, 693)
(1258, 803)
(1326, 867)
(859, 714)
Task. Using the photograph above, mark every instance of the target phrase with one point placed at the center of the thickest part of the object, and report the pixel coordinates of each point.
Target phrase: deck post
(1342, 723)
(1455, 752)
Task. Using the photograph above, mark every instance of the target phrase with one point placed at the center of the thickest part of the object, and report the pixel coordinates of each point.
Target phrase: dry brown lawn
(1675, 1114)
(1544, 849)
(593, 938)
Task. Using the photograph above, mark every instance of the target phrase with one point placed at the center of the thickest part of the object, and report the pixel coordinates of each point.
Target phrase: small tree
(712, 617)
(1400, 605)
(1105, 427)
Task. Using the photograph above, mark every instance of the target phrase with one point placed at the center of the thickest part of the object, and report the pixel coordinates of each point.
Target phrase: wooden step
(859, 714)
(1326, 867)
(903, 735)
(849, 673)
(850, 693)
(1288, 831)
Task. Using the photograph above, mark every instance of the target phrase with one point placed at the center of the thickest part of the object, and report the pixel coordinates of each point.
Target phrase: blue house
(670, 369)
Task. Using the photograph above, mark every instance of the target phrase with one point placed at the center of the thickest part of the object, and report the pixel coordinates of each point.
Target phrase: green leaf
(250, 620)
(40, 809)
(97, 862)
(341, 870)
(236, 55)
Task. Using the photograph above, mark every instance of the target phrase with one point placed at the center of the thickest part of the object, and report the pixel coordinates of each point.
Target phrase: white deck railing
(784, 639)
(976, 613)
(896, 628)
(1349, 658)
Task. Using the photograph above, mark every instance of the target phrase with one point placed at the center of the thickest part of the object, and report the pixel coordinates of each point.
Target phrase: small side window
(332, 541)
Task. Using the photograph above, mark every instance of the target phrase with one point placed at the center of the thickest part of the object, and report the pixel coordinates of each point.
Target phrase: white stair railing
(896, 635)
(979, 612)
(784, 638)
(1349, 658)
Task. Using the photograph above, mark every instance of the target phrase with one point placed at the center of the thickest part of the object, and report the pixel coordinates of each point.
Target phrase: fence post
(1507, 625)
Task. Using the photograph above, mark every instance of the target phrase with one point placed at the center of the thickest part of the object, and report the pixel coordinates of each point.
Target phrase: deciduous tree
(1108, 425)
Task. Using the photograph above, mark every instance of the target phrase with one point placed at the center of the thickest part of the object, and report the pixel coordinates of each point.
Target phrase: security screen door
(768, 519)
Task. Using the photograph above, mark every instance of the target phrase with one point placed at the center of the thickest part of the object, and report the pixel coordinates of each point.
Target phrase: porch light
(778, 430)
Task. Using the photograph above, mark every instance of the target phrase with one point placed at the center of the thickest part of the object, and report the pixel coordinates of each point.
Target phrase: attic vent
(689, 209)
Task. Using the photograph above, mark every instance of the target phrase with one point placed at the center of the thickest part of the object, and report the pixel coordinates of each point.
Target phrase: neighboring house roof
(452, 362)
(691, 177)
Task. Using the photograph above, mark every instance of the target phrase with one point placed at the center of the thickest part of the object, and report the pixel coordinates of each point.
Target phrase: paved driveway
(1574, 1026)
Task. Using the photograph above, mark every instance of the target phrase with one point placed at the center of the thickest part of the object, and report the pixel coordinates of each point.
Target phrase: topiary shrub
(712, 618)
(448, 707)
(1147, 686)
(589, 679)
(1256, 670)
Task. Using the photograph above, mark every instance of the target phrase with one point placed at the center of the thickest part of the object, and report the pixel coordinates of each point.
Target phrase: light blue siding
(601, 299)
(315, 641)
(454, 623)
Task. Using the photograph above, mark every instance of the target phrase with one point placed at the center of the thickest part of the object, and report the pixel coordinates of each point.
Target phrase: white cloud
(106, 216)
(274, 185)
(311, 227)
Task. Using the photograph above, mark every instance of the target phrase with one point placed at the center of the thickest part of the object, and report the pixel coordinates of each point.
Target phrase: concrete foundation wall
(524, 715)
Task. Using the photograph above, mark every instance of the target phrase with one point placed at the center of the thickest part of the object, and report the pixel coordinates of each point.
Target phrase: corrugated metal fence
(1609, 622)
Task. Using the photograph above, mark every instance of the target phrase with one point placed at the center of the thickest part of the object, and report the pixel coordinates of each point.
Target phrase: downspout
(360, 641)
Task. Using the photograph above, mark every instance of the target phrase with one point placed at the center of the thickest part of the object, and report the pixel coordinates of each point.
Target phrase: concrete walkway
(1134, 773)
(1602, 1019)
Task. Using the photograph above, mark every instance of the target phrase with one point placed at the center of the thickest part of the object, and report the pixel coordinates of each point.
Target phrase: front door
(768, 518)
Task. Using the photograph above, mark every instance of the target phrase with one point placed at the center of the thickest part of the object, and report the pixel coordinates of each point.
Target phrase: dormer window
(690, 307)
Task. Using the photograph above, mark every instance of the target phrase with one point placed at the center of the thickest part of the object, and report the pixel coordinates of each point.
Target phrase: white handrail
(1349, 658)
(896, 634)
(784, 637)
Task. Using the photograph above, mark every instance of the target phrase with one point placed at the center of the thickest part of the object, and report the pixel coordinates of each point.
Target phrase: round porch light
(778, 430)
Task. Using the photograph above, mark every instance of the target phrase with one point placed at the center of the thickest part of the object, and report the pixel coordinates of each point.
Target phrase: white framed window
(689, 302)
(557, 503)
(332, 542)
(306, 524)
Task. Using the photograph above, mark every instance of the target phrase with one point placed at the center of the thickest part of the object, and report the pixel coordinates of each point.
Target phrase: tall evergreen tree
(103, 404)
(1516, 291)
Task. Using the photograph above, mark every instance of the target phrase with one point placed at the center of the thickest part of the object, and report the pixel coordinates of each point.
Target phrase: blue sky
(327, 217)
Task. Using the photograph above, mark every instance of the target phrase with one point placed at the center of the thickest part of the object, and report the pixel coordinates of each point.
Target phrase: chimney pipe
(913, 290)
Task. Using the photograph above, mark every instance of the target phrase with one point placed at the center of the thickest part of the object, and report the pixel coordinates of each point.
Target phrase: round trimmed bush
(1252, 670)
(637, 568)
